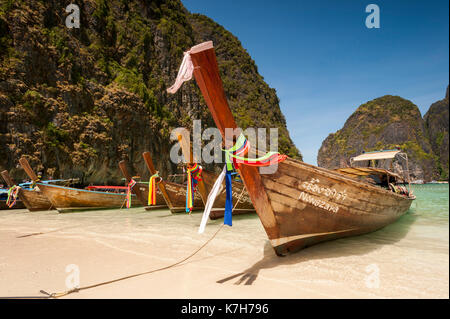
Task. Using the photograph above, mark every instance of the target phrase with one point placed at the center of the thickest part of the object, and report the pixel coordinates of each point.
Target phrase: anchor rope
(77, 289)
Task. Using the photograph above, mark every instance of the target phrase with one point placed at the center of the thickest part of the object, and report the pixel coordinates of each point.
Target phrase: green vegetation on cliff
(383, 123)
(436, 123)
(76, 101)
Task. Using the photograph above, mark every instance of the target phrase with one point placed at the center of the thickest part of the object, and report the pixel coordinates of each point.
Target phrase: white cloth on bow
(184, 73)
(211, 198)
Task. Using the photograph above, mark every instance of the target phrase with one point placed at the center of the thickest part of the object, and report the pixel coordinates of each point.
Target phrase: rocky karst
(436, 123)
(76, 101)
(389, 122)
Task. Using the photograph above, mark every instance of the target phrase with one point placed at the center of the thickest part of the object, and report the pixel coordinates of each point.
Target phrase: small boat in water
(32, 198)
(300, 204)
(68, 198)
(140, 189)
(173, 193)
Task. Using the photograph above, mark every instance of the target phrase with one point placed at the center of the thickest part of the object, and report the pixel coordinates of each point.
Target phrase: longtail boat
(300, 204)
(18, 205)
(241, 200)
(15, 203)
(173, 193)
(68, 198)
(33, 199)
(141, 190)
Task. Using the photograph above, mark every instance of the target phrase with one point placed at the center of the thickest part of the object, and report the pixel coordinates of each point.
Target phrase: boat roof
(366, 171)
(385, 154)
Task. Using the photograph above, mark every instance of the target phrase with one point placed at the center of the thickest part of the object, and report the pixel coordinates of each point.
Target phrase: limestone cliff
(436, 124)
(76, 101)
(383, 123)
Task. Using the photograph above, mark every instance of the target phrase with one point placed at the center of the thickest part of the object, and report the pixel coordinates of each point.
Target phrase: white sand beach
(408, 259)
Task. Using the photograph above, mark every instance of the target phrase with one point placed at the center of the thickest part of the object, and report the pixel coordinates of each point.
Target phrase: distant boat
(141, 190)
(173, 193)
(3, 198)
(67, 198)
(438, 182)
(241, 200)
(300, 204)
(33, 199)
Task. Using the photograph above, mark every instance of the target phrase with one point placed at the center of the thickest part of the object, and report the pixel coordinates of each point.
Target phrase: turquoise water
(426, 225)
(432, 203)
(428, 217)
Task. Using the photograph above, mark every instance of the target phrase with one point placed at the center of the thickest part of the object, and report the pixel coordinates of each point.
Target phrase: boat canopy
(386, 154)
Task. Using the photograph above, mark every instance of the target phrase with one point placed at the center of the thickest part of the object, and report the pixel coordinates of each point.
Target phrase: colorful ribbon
(152, 189)
(129, 188)
(33, 184)
(12, 196)
(233, 158)
(242, 146)
(193, 177)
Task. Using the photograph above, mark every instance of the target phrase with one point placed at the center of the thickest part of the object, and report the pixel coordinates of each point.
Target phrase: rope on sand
(77, 289)
(65, 293)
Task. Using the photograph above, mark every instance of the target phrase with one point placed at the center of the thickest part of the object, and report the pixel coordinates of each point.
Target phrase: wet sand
(408, 259)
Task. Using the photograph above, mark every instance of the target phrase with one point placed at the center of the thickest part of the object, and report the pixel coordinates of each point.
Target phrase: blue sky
(324, 62)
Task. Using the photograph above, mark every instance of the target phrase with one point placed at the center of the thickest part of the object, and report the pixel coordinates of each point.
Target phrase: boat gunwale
(82, 190)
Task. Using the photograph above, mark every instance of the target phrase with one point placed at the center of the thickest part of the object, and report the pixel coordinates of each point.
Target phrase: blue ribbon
(227, 220)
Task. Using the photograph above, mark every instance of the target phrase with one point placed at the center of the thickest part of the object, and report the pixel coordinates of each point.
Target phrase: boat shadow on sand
(350, 246)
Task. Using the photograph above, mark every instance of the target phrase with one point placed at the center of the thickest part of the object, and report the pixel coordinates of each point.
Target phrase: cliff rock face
(436, 123)
(77, 101)
(383, 123)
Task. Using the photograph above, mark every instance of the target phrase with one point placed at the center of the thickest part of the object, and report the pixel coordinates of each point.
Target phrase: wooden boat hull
(67, 198)
(18, 205)
(35, 200)
(141, 191)
(299, 205)
(174, 194)
(312, 204)
(244, 204)
(177, 195)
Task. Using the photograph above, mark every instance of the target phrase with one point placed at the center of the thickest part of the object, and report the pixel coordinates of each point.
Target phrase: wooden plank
(9, 181)
(304, 173)
(183, 139)
(26, 166)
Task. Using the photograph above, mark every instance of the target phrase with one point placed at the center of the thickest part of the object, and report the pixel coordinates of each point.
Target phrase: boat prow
(32, 199)
(299, 205)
